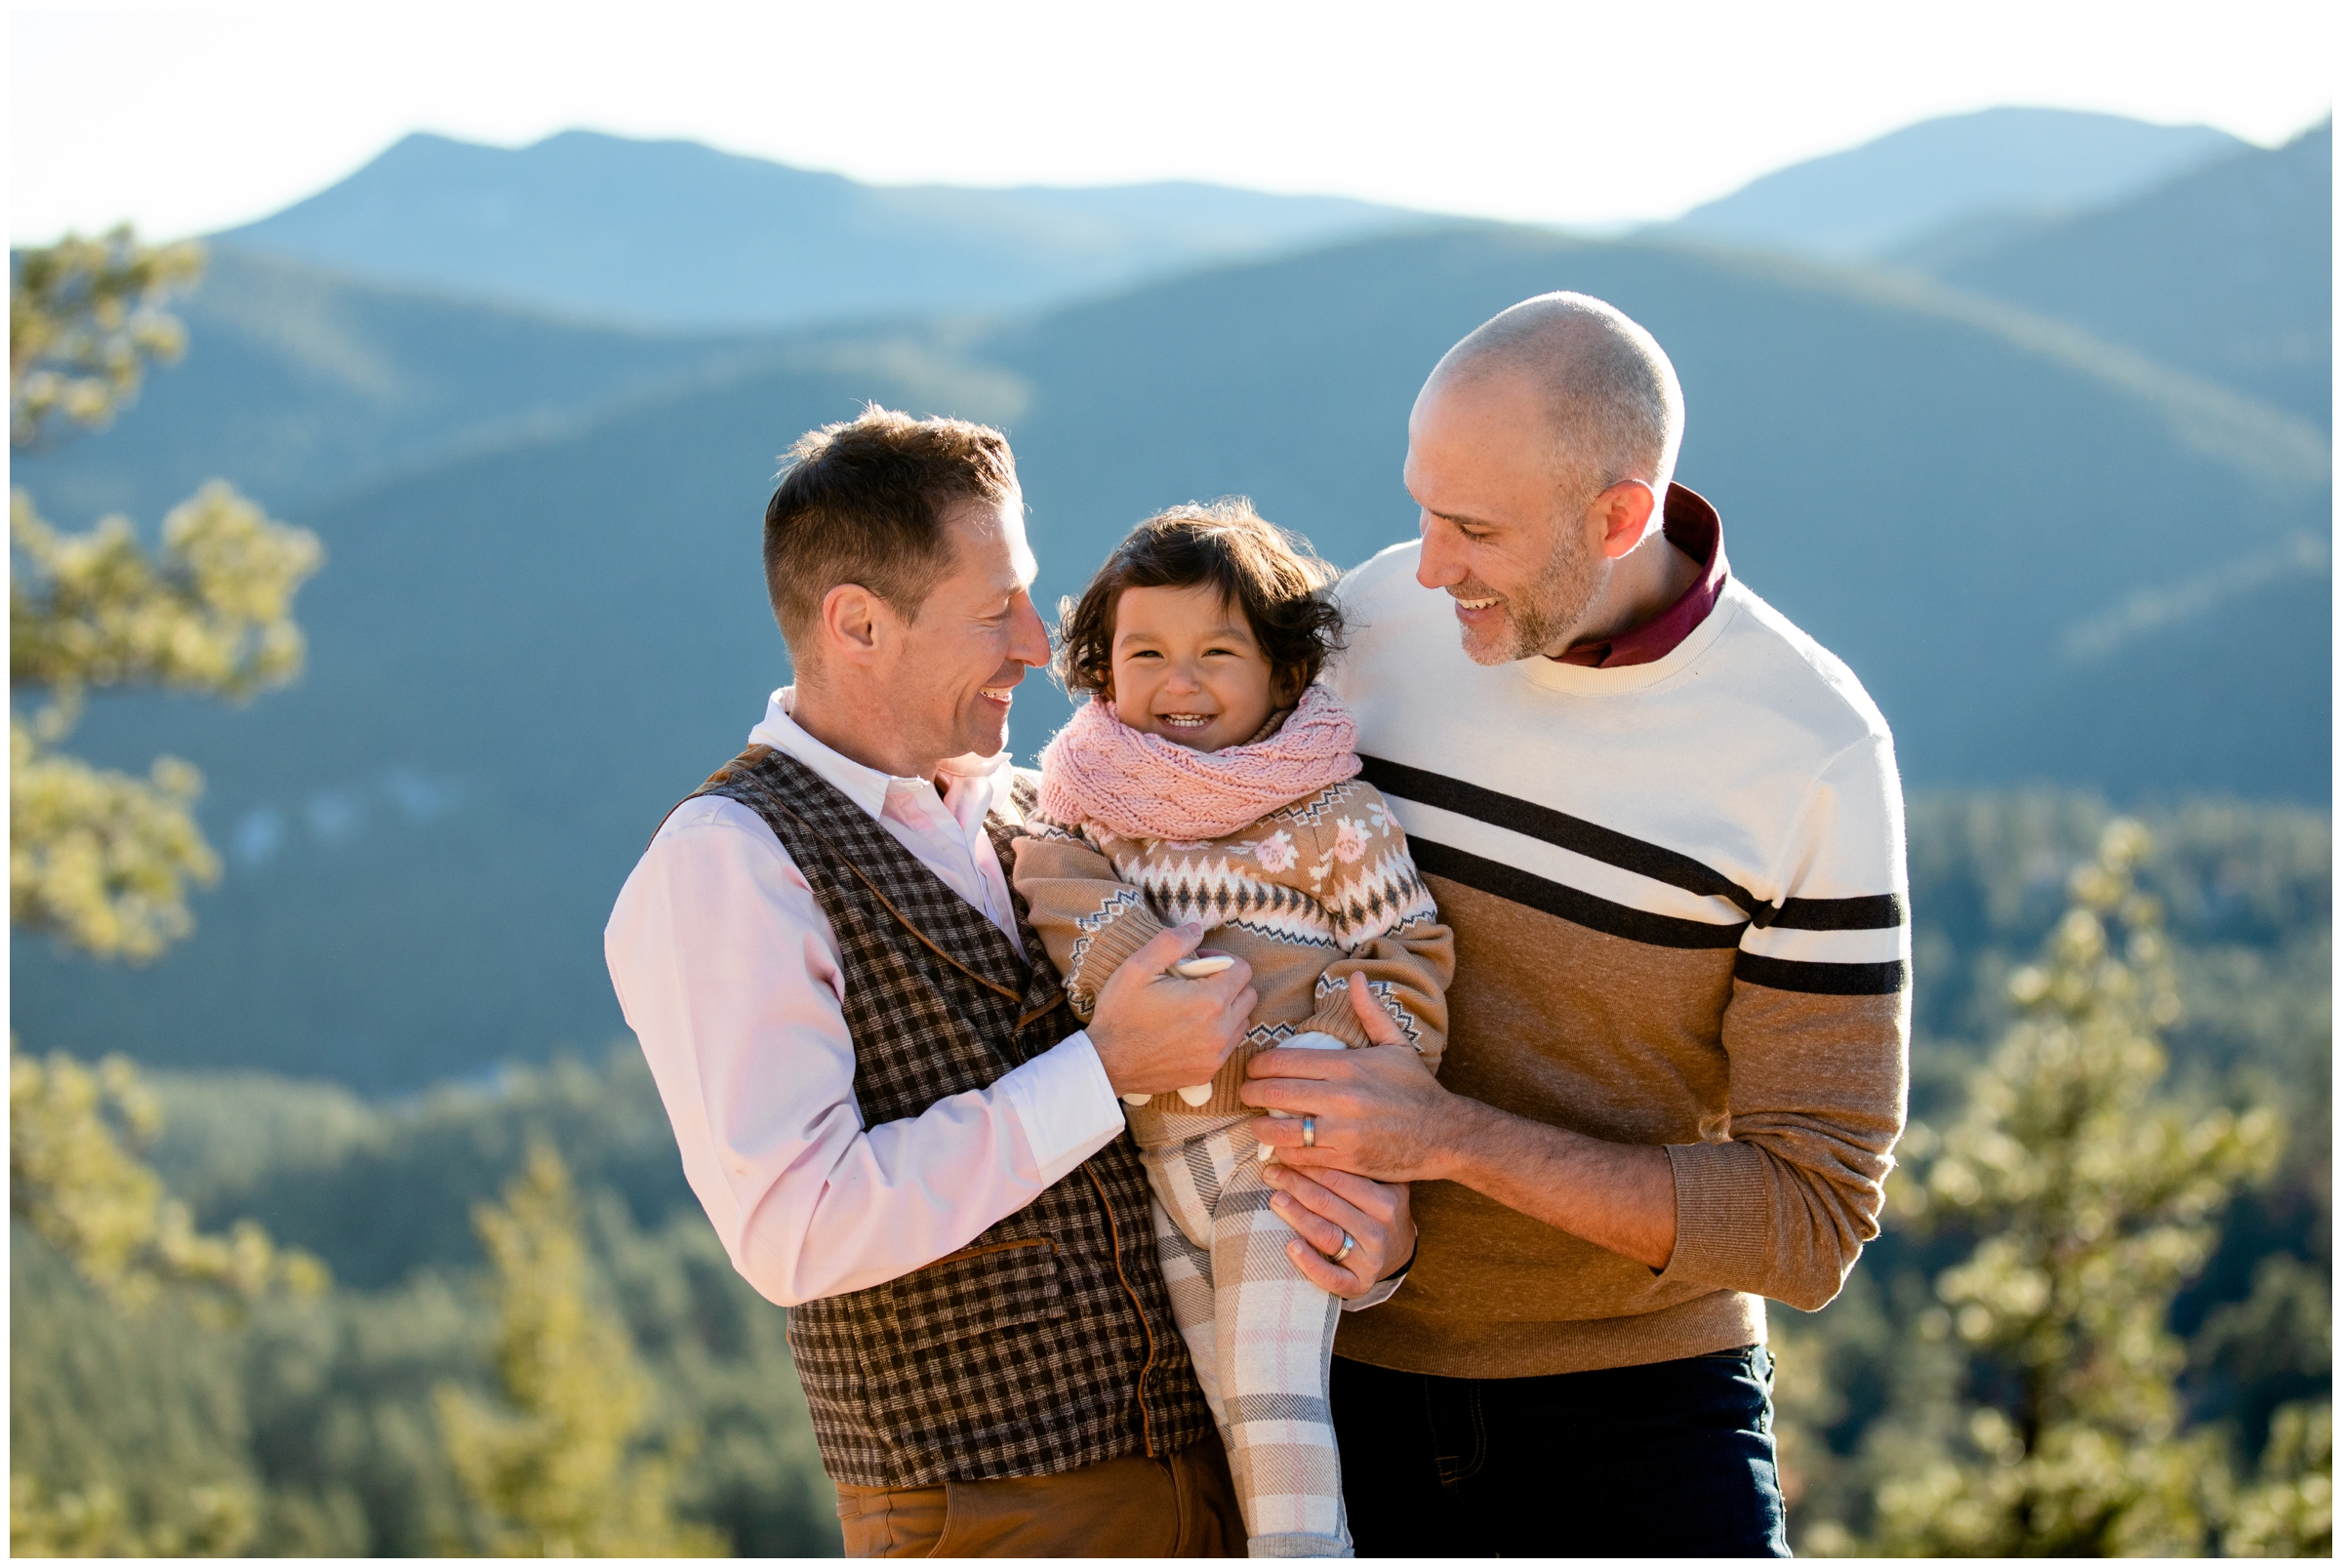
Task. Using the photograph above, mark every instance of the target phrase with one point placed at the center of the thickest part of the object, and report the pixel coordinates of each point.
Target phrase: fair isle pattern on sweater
(1315, 890)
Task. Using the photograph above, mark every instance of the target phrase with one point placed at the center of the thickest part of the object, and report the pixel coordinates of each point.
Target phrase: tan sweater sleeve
(1386, 921)
(1088, 919)
(1817, 1033)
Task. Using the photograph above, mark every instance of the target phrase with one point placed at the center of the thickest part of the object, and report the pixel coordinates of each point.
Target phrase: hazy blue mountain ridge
(2226, 272)
(523, 655)
(301, 384)
(680, 234)
(2008, 165)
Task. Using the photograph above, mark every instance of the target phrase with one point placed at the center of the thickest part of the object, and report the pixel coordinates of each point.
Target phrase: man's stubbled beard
(1543, 614)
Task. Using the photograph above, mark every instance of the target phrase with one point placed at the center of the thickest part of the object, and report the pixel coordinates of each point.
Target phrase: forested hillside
(324, 1410)
(1868, 1385)
(325, 1406)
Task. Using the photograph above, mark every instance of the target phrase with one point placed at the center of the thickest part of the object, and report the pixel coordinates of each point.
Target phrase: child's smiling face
(1188, 668)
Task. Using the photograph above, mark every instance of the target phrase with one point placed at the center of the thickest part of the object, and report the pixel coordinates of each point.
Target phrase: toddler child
(1209, 778)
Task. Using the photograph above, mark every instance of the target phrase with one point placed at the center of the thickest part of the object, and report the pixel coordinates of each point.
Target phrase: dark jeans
(1670, 1460)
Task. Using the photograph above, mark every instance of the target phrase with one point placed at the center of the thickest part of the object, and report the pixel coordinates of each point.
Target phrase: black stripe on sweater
(1573, 833)
(1878, 912)
(1570, 903)
(1821, 980)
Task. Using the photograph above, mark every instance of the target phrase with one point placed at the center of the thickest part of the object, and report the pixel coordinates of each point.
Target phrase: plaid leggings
(1261, 1334)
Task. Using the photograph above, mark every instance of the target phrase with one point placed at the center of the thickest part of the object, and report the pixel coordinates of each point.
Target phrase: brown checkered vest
(1047, 1342)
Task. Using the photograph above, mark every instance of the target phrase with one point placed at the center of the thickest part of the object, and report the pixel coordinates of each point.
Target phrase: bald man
(1665, 827)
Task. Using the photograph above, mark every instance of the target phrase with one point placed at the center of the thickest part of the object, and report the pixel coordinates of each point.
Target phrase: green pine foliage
(2290, 1512)
(2098, 1319)
(102, 859)
(76, 1182)
(127, 1429)
(2089, 1203)
(330, 1407)
(552, 1467)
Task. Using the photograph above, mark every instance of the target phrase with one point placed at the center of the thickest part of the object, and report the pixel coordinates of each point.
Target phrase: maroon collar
(1692, 527)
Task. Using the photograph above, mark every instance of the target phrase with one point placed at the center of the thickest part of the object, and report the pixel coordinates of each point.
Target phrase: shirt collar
(1693, 527)
(867, 787)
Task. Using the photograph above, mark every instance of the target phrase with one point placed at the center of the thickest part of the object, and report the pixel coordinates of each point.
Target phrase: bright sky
(185, 119)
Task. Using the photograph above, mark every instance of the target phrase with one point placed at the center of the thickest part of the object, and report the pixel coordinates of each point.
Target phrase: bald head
(1612, 406)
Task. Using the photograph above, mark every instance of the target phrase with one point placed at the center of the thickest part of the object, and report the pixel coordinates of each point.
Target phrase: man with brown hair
(882, 1101)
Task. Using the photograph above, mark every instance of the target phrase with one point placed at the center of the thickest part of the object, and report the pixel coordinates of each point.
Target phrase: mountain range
(679, 234)
(2003, 167)
(2227, 271)
(543, 620)
(306, 385)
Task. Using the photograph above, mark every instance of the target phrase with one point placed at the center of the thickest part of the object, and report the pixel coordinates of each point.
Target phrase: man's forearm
(1384, 1116)
(1619, 1196)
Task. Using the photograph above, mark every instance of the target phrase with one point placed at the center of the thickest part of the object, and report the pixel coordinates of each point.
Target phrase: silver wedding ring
(1309, 1132)
(1349, 1244)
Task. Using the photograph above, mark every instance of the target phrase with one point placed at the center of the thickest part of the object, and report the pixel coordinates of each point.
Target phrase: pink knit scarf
(1140, 786)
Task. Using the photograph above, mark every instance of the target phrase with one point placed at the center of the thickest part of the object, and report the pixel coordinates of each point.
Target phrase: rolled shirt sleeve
(731, 979)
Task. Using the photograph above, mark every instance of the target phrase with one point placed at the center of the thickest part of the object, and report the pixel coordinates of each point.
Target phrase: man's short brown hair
(1274, 576)
(864, 502)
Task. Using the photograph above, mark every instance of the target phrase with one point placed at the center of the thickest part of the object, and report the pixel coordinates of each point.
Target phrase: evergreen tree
(85, 316)
(101, 859)
(73, 1178)
(2093, 1203)
(555, 1469)
(111, 1282)
(2289, 1511)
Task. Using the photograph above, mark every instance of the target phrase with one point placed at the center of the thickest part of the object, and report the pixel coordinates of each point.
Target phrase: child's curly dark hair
(1276, 577)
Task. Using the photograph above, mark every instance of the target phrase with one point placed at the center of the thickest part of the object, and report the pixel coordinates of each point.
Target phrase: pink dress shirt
(730, 977)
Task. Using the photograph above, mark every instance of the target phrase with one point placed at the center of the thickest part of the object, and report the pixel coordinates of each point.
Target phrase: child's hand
(1380, 1026)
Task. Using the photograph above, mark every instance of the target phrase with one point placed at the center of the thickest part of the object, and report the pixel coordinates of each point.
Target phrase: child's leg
(1275, 1333)
(1184, 1191)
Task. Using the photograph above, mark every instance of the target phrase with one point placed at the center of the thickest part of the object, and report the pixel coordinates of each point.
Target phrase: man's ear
(1624, 513)
(854, 624)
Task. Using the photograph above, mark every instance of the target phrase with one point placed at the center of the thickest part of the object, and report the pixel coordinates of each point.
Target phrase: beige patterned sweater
(1308, 894)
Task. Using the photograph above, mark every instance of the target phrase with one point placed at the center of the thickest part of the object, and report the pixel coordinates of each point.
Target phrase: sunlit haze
(190, 118)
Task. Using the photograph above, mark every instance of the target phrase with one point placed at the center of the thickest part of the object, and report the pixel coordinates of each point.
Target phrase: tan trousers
(1180, 1507)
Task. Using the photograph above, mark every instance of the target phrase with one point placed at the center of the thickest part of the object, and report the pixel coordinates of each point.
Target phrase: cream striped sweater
(1679, 895)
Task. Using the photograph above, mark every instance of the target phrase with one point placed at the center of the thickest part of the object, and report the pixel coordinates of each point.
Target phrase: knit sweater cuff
(1337, 1018)
(1724, 1216)
(1124, 934)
